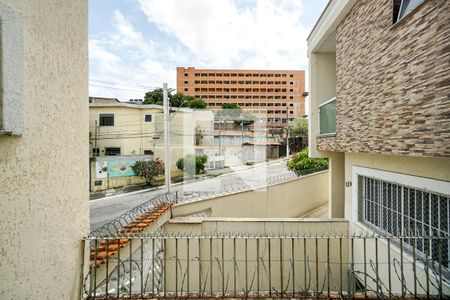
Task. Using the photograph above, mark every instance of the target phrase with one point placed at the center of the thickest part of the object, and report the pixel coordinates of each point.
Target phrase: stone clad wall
(393, 81)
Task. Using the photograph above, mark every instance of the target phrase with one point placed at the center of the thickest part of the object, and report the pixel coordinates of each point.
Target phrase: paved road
(108, 208)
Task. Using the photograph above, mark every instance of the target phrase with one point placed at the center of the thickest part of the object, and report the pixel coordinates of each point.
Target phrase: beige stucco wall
(133, 135)
(289, 199)
(280, 249)
(44, 179)
(427, 167)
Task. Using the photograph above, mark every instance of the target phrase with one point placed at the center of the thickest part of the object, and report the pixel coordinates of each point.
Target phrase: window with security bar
(400, 210)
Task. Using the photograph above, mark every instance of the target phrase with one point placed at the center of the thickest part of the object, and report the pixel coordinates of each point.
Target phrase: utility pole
(166, 137)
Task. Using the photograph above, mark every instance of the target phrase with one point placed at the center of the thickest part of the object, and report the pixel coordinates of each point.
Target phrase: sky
(136, 45)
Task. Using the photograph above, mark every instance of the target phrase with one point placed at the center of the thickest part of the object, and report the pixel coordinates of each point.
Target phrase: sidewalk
(134, 189)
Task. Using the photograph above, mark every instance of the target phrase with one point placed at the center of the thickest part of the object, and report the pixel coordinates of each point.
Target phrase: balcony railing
(244, 266)
(327, 117)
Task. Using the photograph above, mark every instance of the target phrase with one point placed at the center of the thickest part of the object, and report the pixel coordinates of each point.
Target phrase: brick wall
(393, 81)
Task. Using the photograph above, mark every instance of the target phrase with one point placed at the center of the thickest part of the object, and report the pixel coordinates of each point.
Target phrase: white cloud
(223, 33)
(202, 33)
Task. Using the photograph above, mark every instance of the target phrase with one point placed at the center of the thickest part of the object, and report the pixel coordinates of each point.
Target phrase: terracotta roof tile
(99, 254)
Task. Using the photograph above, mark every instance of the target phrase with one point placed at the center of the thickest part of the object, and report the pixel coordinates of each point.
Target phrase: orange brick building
(278, 95)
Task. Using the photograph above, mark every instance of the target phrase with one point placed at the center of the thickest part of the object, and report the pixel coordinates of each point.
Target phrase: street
(108, 208)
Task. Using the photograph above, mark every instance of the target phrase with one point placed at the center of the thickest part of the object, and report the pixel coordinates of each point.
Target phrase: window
(148, 118)
(106, 119)
(185, 74)
(402, 8)
(186, 82)
(391, 206)
(148, 152)
(186, 89)
(95, 151)
(112, 151)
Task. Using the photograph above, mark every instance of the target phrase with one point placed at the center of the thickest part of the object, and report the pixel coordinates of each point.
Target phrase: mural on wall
(121, 168)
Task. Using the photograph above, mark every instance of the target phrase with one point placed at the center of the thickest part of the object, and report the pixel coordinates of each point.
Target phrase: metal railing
(244, 266)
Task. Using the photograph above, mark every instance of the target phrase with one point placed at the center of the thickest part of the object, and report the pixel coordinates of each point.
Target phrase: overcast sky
(136, 45)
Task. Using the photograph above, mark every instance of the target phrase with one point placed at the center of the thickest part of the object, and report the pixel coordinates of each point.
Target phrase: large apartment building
(272, 95)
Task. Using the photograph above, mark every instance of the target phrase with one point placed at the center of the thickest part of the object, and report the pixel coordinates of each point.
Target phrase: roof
(136, 106)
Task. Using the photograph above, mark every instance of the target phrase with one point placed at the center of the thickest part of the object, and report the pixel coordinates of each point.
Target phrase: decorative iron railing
(244, 266)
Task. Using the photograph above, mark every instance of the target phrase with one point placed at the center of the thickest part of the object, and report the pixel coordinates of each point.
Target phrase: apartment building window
(197, 74)
(106, 119)
(186, 82)
(277, 75)
(219, 82)
(248, 75)
(219, 75)
(389, 203)
(290, 75)
(212, 75)
(204, 75)
(112, 151)
(148, 118)
(291, 112)
(186, 89)
(257, 75)
(291, 97)
(197, 89)
(402, 8)
(284, 75)
(291, 90)
(197, 82)
(291, 104)
(211, 82)
(185, 74)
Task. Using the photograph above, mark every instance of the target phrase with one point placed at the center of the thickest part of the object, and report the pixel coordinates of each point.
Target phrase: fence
(244, 266)
(177, 197)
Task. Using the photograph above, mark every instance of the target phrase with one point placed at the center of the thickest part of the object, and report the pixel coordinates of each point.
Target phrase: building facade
(273, 95)
(121, 133)
(380, 112)
(44, 195)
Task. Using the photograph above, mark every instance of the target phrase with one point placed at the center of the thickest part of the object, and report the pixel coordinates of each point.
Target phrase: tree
(299, 126)
(302, 164)
(155, 97)
(192, 164)
(197, 103)
(149, 169)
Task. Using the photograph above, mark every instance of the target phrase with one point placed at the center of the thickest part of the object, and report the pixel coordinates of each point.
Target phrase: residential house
(121, 133)
(379, 110)
(44, 196)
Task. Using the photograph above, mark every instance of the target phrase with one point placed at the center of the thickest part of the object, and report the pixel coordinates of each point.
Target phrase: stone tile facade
(393, 81)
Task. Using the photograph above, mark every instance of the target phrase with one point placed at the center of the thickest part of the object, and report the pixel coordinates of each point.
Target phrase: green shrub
(192, 163)
(302, 164)
(149, 169)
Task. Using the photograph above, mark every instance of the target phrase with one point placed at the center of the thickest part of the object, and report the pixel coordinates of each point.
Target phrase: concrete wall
(322, 88)
(289, 199)
(44, 179)
(223, 255)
